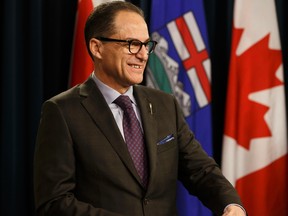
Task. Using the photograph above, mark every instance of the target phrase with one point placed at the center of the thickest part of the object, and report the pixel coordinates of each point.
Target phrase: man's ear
(95, 47)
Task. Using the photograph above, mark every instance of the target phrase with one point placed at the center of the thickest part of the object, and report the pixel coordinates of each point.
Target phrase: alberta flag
(180, 65)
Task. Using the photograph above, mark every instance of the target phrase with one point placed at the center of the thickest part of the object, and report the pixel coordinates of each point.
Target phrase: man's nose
(143, 53)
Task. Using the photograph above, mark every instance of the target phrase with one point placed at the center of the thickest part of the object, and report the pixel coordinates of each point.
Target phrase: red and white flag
(255, 156)
(81, 62)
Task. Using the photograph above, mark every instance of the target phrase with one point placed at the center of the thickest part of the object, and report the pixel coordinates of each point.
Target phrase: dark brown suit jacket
(82, 165)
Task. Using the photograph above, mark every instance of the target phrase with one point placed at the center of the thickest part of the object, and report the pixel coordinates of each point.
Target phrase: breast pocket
(166, 143)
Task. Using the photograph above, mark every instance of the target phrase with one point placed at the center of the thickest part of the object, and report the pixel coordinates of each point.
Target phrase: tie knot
(124, 102)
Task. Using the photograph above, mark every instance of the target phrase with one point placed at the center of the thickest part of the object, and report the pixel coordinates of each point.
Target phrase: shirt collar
(111, 94)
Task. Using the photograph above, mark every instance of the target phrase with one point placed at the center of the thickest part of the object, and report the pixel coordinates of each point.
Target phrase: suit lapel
(99, 111)
(149, 124)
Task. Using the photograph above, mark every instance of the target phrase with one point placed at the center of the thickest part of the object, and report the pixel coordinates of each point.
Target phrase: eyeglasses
(134, 45)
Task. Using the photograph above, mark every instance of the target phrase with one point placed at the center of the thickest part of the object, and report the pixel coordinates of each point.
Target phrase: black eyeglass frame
(154, 43)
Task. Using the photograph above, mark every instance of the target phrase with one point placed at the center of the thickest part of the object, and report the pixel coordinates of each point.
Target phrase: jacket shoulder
(151, 91)
(76, 92)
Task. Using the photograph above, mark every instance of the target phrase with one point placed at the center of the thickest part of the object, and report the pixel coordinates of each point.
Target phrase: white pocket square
(166, 139)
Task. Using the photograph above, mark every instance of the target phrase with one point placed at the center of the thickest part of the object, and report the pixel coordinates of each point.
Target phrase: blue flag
(180, 65)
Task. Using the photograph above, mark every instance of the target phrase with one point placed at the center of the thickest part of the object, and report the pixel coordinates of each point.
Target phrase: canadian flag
(255, 156)
(81, 62)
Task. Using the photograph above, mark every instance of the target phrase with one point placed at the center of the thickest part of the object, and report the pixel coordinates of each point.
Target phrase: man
(84, 164)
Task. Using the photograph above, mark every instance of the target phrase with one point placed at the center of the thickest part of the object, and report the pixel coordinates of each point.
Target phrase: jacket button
(146, 201)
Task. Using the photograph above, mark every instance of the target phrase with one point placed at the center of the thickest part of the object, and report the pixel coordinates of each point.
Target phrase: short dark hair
(100, 22)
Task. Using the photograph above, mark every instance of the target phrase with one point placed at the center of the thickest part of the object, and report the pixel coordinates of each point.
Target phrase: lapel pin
(150, 107)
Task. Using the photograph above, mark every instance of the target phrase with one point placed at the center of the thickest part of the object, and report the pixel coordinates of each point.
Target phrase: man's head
(101, 22)
(117, 38)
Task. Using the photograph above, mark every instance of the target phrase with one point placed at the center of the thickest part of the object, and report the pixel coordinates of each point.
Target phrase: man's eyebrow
(149, 39)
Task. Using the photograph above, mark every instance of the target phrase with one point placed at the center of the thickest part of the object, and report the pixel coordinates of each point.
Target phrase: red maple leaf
(254, 70)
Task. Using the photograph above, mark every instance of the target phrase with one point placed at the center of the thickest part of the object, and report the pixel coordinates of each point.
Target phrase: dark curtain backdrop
(36, 41)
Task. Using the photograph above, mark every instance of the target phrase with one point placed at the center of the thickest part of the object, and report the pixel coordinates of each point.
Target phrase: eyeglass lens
(135, 46)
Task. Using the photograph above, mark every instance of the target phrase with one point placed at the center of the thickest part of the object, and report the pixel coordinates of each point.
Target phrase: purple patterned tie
(134, 137)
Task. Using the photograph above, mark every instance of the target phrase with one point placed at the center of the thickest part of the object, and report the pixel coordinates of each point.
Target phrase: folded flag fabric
(255, 140)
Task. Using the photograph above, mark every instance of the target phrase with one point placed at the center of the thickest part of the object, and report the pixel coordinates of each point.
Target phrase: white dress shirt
(110, 95)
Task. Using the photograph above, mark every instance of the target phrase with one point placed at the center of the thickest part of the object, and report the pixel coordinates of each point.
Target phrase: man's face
(119, 68)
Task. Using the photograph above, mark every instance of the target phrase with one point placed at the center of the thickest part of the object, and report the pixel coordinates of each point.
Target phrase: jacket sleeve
(199, 173)
(54, 168)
